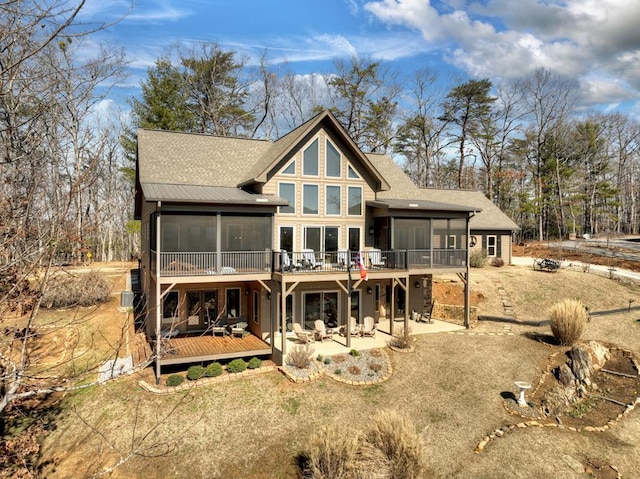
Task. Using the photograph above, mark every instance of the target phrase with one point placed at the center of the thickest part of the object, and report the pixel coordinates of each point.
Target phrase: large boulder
(586, 358)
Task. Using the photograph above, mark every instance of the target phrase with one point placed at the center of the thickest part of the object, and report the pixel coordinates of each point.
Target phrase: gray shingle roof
(402, 188)
(188, 159)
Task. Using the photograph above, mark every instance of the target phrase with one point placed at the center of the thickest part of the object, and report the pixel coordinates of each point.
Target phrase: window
(256, 307)
(286, 238)
(193, 310)
(310, 199)
(452, 241)
(322, 306)
(288, 313)
(170, 308)
(322, 238)
(313, 237)
(333, 164)
(352, 173)
(332, 199)
(492, 243)
(290, 170)
(354, 239)
(288, 192)
(310, 160)
(355, 200)
(233, 302)
(331, 234)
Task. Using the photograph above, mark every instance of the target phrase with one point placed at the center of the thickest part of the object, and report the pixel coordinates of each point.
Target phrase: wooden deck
(194, 349)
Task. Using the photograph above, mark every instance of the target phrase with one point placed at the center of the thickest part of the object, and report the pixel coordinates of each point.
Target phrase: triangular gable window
(352, 173)
(290, 170)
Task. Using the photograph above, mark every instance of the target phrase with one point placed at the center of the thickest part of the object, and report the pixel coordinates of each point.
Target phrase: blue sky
(596, 42)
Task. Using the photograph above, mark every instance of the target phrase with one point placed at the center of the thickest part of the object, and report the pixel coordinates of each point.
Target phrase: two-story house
(252, 236)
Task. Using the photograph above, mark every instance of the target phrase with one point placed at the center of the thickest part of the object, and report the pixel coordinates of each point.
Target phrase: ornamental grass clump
(400, 443)
(390, 448)
(401, 339)
(331, 453)
(300, 356)
(568, 318)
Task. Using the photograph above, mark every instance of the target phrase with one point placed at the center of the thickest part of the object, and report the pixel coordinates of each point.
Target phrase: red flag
(363, 270)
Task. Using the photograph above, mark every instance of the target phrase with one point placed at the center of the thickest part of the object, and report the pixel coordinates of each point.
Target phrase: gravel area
(365, 367)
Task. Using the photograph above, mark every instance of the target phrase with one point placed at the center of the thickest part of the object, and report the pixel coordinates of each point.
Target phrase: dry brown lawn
(450, 387)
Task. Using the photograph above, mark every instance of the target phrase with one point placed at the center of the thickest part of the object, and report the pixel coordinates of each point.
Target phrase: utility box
(126, 299)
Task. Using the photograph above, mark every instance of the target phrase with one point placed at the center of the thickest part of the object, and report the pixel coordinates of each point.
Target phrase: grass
(449, 389)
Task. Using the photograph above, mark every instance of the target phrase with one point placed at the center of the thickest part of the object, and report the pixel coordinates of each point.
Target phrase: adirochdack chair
(303, 335)
(369, 327)
(321, 332)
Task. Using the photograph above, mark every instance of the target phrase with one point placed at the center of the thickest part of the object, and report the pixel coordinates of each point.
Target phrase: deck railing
(210, 263)
(303, 262)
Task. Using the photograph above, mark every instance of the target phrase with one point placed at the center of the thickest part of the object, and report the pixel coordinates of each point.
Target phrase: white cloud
(504, 38)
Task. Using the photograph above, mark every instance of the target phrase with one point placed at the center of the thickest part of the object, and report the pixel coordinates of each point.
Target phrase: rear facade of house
(243, 238)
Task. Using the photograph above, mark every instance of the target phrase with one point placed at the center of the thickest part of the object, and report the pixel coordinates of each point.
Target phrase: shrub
(497, 262)
(340, 358)
(300, 356)
(354, 370)
(401, 340)
(568, 318)
(327, 360)
(354, 352)
(331, 453)
(375, 367)
(237, 366)
(175, 380)
(400, 443)
(338, 372)
(477, 259)
(319, 358)
(254, 363)
(82, 290)
(375, 353)
(213, 370)
(195, 372)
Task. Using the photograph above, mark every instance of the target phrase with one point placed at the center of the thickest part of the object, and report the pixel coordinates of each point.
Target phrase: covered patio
(338, 344)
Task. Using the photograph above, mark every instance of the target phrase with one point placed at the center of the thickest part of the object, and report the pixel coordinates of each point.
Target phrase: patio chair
(426, 315)
(303, 335)
(344, 260)
(285, 261)
(369, 327)
(309, 259)
(354, 327)
(321, 332)
(376, 260)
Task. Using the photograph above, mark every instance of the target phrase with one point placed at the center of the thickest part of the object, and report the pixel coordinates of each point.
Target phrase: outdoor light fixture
(417, 284)
(268, 295)
(369, 290)
(246, 291)
(371, 231)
